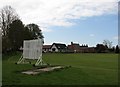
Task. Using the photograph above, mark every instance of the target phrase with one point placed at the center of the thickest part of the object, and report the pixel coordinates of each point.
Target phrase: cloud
(92, 35)
(45, 29)
(116, 38)
(59, 12)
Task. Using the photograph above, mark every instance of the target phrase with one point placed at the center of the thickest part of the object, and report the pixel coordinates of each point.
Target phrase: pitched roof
(60, 46)
(46, 46)
(74, 46)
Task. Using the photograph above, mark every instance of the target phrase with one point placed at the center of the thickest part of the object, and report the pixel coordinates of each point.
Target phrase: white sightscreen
(32, 49)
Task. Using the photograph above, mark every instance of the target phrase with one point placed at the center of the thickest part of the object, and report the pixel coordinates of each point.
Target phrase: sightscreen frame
(32, 49)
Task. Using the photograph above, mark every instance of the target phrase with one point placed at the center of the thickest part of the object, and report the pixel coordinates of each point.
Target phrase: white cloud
(59, 12)
(116, 38)
(92, 35)
(45, 29)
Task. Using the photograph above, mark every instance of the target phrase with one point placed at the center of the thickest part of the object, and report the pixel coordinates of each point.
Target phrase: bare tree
(107, 43)
(7, 16)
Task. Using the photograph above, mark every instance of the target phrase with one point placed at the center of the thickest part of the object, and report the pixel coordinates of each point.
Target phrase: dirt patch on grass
(43, 70)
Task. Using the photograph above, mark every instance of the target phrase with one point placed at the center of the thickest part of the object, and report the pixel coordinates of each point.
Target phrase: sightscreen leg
(21, 60)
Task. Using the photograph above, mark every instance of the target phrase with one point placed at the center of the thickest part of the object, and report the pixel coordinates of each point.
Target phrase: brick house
(74, 47)
(46, 48)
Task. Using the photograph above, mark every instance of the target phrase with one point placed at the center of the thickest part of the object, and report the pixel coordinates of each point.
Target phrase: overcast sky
(82, 21)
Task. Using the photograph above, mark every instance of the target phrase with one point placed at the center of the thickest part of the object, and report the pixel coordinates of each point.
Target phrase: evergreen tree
(16, 34)
(117, 49)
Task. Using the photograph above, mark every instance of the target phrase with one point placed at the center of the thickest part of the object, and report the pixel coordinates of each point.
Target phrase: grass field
(87, 69)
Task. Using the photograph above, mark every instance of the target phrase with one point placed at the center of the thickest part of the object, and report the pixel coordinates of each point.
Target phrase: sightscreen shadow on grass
(86, 69)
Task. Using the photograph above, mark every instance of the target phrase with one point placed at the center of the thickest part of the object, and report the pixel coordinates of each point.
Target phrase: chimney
(71, 43)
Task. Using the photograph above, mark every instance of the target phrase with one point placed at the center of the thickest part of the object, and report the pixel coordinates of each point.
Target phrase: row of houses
(73, 47)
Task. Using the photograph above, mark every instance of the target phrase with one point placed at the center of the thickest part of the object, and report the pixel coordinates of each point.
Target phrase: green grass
(87, 69)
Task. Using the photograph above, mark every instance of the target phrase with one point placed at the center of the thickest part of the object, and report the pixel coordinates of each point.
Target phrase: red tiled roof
(74, 47)
(46, 46)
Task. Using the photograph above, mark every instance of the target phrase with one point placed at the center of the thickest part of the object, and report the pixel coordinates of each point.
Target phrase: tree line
(14, 31)
(100, 48)
(107, 47)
